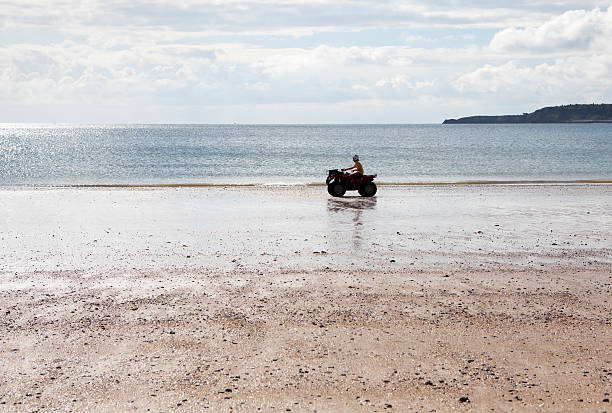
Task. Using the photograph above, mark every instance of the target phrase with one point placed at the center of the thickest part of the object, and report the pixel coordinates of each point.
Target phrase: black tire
(336, 189)
(368, 189)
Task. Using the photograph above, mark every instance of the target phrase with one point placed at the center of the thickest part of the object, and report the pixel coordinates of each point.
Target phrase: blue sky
(295, 61)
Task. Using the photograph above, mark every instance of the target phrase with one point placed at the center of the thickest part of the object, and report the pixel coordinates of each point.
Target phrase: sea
(74, 155)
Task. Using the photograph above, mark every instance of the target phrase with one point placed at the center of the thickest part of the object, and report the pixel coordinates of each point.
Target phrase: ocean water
(33, 155)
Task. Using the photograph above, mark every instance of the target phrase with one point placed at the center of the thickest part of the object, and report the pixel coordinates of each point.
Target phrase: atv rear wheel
(368, 189)
(336, 189)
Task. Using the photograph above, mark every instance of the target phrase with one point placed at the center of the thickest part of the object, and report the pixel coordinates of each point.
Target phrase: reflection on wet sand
(343, 211)
(348, 203)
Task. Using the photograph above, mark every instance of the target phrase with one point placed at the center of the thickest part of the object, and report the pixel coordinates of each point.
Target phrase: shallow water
(137, 154)
(302, 228)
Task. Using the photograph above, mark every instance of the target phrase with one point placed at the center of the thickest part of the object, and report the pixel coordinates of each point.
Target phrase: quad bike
(338, 182)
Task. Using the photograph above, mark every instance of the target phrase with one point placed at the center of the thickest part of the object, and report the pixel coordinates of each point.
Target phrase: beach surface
(424, 298)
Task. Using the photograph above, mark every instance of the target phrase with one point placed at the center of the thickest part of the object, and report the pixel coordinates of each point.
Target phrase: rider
(357, 168)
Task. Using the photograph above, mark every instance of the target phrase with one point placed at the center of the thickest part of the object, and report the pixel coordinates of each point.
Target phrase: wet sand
(481, 297)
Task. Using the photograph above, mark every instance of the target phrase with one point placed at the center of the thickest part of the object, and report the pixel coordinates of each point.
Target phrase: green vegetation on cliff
(553, 114)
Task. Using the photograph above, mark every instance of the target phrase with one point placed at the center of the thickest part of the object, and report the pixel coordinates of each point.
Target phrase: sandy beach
(428, 298)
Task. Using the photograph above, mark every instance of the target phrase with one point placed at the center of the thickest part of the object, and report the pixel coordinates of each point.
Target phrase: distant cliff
(554, 114)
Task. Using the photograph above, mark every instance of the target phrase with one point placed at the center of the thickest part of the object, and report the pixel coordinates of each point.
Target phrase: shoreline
(475, 182)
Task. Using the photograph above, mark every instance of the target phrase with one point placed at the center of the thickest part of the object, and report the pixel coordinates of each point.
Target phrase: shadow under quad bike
(338, 182)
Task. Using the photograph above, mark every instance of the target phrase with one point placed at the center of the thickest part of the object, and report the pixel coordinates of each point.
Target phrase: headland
(593, 113)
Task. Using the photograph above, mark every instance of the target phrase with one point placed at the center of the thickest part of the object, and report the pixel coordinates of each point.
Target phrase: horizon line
(216, 124)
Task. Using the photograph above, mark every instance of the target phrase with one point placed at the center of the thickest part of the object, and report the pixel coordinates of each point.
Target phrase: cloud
(217, 74)
(191, 60)
(565, 80)
(579, 66)
(565, 59)
(576, 30)
(271, 16)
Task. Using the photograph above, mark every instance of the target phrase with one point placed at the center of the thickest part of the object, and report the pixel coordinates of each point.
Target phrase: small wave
(153, 185)
(283, 184)
(500, 182)
(316, 184)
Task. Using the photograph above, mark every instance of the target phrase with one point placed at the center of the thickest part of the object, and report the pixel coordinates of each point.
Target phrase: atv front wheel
(336, 189)
(368, 189)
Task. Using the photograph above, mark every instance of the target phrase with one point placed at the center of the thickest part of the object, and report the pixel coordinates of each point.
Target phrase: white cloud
(403, 82)
(192, 60)
(212, 75)
(573, 30)
(565, 80)
(566, 59)
(272, 16)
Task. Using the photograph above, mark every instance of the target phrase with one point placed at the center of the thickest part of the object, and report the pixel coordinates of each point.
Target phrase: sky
(298, 61)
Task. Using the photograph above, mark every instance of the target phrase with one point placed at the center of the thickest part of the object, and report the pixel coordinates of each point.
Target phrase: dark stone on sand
(429, 383)
(464, 399)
